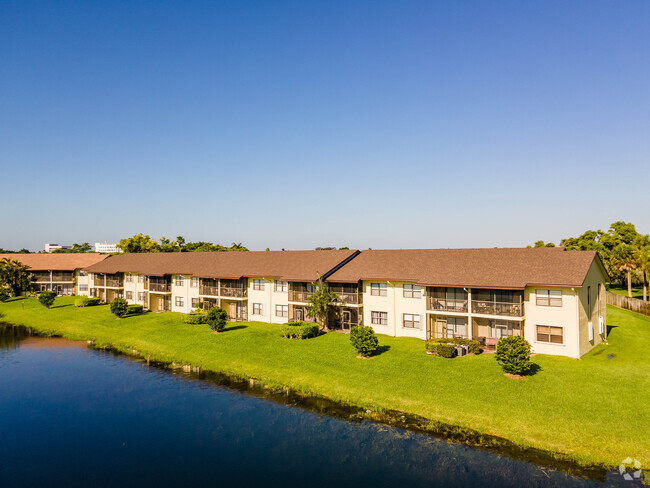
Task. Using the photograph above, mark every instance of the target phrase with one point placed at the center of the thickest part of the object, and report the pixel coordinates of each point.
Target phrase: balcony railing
(299, 296)
(351, 298)
(446, 305)
(212, 291)
(160, 287)
(41, 277)
(227, 291)
(62, 276)
(509, 309)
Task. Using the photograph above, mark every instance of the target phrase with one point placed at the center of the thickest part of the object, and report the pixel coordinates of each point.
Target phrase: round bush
(513, 354)
(46, 298)
(119, 307)
(217, 318)
(364, 340)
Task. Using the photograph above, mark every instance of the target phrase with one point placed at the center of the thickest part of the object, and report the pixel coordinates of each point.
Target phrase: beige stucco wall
(395, 304)
(186, 291)
(269, 298)
(594, 281)
(82, 280)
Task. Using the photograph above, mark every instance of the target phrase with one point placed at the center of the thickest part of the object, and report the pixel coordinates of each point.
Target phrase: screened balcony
(300, 292)
(447, 300)
(348, 293)
(507, 303)
(160, 285)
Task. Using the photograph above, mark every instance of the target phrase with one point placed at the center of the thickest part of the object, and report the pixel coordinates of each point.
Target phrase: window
(550, 334)
(549, 298)
(379, 318)
(83, 287)
(258, 309)
(258, 285)
(412, 291)
(281, 286)
(141, 296)
(129, 278)
(195, 302)
(378, 289)
(83, 273)
(129, 295)
(140, 278)
(411, 321)
(282, 310)
(194, 283)
(179, 301)
(178, 281)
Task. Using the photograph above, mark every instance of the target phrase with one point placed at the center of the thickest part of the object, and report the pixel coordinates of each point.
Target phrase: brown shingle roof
(56, 261)
(283, 265)
(477, 268)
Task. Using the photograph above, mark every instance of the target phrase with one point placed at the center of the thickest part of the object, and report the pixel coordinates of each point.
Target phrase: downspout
(394, 310)
(469, 313)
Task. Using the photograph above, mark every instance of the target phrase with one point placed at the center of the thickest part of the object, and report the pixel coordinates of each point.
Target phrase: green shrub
(46, 298)
(217, 318)
(474, 346)
(119, 307)
(441, 350)
(364, 340)
(86, 301)
(300, 330)
(134, 309)
(513, 354)
(4, 294)
(195, 318)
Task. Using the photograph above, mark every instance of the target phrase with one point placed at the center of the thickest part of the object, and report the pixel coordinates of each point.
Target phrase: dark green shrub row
(86, 302)
(299, 330)
(134, 309)
(364, 340)
(195, 318)
(441, 350)
(474, 346)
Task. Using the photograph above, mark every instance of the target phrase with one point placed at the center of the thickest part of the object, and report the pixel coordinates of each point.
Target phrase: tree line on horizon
(624, 251)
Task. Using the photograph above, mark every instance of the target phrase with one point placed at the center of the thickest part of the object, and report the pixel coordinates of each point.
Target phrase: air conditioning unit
(601, 324)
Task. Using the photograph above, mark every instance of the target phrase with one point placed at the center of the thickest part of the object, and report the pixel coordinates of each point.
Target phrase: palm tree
(643, 261)
(623, 258)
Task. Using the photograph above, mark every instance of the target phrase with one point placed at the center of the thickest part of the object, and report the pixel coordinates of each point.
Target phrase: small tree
(217, 319)
(46, 298)
(364, 340)
(4, 294)
(119, 307)
(14, 276)
(513, 354)
(321, 302)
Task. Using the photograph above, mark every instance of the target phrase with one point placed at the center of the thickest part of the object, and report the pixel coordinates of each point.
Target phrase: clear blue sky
(302, 124)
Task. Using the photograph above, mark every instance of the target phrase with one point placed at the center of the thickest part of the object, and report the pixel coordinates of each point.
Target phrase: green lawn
(637, 291)
(596, 410)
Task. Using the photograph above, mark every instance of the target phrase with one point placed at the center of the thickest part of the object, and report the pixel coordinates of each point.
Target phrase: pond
(73, 415)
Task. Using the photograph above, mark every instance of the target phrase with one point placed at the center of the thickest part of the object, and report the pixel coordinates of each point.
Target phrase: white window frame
(378, 318)
(258, 309)
(179, 281)
(378, 289)
(282, 311)
(83, 287)
(281, 286)
(550, 343)
(129, 278)
(141, 296)
(194, 282)
(129, 295)
(258, 284)
(548, 298)
(410, 317)
(412, 291)
(179, 301)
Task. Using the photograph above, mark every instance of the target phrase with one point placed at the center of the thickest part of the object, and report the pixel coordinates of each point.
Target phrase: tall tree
(623, 258)
(139, 243)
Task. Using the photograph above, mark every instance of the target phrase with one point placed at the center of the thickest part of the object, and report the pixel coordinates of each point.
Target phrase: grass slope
(596, 410)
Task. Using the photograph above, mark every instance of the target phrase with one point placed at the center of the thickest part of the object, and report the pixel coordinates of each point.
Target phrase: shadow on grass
(533, 370)
(235, 327)
(61, 306)
(381, 350)
(609, 328)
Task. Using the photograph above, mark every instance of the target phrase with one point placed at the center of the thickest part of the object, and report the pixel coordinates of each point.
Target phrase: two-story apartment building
(552, 297)
(62, 273)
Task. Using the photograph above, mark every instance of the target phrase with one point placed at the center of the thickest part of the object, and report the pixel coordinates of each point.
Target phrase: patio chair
(492, 341)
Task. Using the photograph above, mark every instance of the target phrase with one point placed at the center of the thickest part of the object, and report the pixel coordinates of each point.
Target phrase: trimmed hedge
(474, 346)
(442, 350)
(195, 318)
(299, 330)
(86, 301)
(134, 309)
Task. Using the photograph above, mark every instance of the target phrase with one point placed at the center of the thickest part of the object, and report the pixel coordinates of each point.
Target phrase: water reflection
(70, 415)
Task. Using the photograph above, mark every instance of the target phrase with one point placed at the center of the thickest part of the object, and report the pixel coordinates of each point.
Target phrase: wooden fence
(633, 304)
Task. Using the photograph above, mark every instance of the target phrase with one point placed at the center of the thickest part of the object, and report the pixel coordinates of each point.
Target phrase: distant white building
(106, 248)
(49, 247)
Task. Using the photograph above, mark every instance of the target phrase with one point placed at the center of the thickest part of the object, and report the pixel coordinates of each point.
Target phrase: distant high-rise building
(106, 248)
(49, 247)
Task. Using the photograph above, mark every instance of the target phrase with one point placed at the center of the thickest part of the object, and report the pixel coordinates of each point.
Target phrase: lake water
(71, 415)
